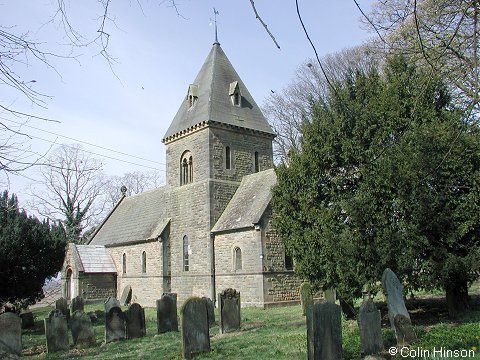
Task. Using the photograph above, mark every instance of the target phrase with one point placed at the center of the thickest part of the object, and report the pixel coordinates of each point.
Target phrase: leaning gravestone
(167, 313)
(77, 304)
(229, 310)
(306, 297)
(10, 333)
(369, 323)
(397, 312)
(324, 331)
(62, 305)
(135, 321)
(82, 329)
(114, 324)
(56, 331)
(27, 320)
(210, 310)
(126, 296)
(195, 330)
(111, 302)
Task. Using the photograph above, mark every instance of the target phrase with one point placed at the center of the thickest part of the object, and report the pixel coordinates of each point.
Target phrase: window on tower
(235, 94)
(186, 168)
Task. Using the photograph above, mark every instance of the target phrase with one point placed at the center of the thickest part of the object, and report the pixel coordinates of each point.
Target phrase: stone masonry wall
(146, 287)
(243, 145)
(98, 286)
(197, 144)
(189, 210)
(248, 280)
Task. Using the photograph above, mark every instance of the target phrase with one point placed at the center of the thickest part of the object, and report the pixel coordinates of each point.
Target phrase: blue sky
(158, 55)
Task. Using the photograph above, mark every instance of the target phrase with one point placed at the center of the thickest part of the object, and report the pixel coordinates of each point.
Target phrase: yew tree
(31, 251)
(388, 176)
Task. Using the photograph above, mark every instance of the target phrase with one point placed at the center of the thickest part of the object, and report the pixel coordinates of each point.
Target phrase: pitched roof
(137, 218)
(213, 103)
(248, 203)
(94, 259)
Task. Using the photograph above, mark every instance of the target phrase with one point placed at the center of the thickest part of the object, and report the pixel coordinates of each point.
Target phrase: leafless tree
(442, 35)
(135, 182)
(69, 188)
(287, 109)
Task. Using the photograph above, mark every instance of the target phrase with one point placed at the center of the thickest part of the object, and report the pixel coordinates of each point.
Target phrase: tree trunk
(348, 309)
(457, 297)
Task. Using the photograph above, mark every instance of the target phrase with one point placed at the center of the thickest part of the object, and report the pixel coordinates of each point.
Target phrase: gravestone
(167, 313)
(27, 320)
(210, 310)
(82, 329)
(114, 324)
(397, 312)
(135, 321)
(195, 330)
(111, 302)
(330, 295)
(62, 305)
(10, 333)
(56, 331)
(77, 304)
(229, 310)
(369, 323)
(306, 297)
(126, 295)
(324, 331)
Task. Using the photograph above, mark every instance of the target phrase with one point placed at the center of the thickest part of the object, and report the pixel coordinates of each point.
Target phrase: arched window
(237, 259)
(185, 254)
(186, 168)
(144, 262)
(68, 285)
(257, 165)
(124, 263)
(228, 158)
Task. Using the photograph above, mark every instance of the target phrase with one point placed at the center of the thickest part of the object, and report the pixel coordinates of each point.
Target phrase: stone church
(208, 228)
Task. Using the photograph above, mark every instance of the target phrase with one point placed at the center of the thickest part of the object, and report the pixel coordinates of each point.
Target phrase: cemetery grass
(277, 333)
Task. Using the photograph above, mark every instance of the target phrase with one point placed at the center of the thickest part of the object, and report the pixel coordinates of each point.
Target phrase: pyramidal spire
(215, 13)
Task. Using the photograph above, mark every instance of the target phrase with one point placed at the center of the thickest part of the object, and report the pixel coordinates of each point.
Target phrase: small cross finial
(215, 13)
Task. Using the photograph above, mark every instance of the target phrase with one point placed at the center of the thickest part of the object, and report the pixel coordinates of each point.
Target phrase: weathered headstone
(324, 331)
(135, 321)
(62, 305)
(229, 310)
(56, 331)
(10, 333)
(77, 304)
(306, 297)
(397, 312)
(82, 329)
(126, 296)
(114, 324)
(167, 313)
(369, 323)
(111, 302)
(330, 295)
(195, 330)
(210, 310)
(27, 320)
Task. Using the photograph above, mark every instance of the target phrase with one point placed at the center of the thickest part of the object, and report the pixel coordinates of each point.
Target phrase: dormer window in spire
(192, 95)
(235, 94)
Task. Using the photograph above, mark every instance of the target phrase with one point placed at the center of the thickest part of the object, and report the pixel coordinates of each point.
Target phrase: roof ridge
(212, 83)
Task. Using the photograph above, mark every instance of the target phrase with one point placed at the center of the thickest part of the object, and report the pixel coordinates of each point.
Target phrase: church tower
(218, 136)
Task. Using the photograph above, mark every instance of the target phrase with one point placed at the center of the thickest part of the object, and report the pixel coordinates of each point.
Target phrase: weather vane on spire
(215, 13)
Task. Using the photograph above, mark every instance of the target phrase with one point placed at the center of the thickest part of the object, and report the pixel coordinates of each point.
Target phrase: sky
(128, 107)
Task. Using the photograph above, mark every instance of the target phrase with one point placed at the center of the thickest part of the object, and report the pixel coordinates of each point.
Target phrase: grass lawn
(277, 333)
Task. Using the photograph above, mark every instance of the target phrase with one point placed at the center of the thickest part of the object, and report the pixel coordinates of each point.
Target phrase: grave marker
(10, 333)
(135, 321)
(229, 310)
(167, 313)
(114, 324)
(195, 330)
(82, 329)
(56, 331)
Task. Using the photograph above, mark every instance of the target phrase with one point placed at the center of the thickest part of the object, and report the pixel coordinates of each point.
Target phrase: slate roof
(248, 203)
(94, 259)
(213, 104)
(136, 218)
